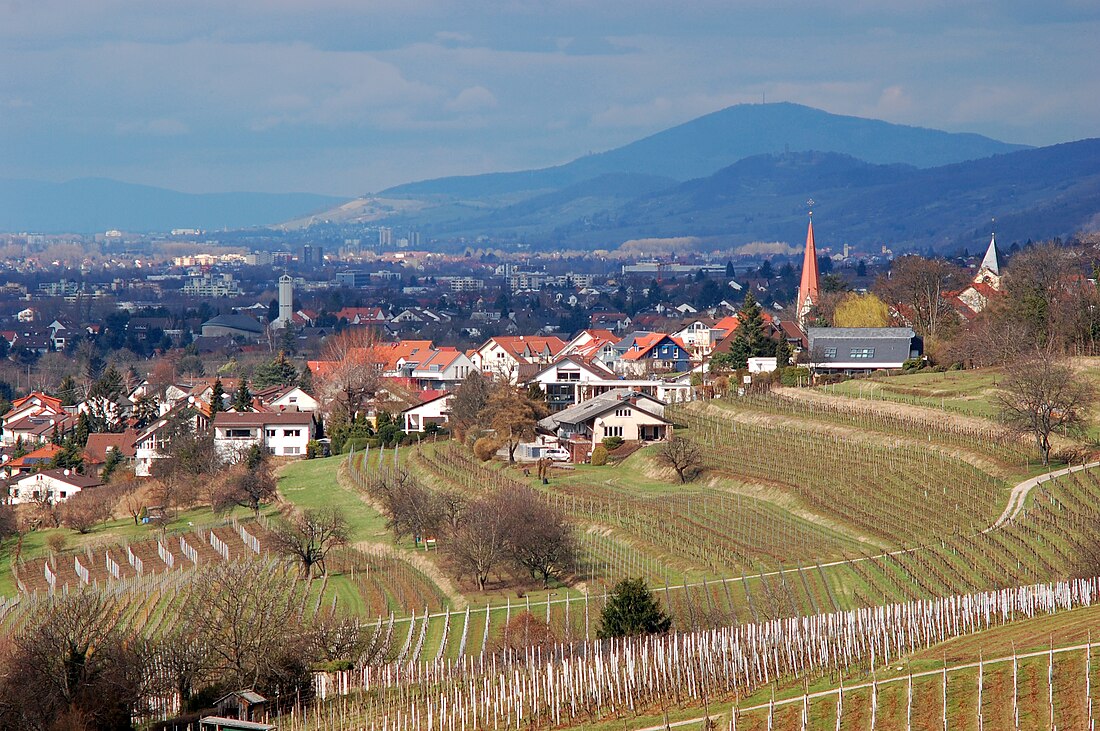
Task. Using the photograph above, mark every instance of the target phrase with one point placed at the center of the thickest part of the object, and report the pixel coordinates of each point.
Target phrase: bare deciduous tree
(469, 401)
(411, 508)
(1042, 395)
(682, 456)
(539, 536)
(352, 373)
(514, 416)
(72, 669)
(85, 510)
(308, 537)
(478, 546)
(919, 287)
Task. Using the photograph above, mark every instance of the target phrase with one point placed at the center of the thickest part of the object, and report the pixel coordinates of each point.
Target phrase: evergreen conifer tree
(217, 392)
(242, 397)
(632, 610)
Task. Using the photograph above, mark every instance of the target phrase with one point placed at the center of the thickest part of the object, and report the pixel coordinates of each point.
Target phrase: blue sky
(351, 96)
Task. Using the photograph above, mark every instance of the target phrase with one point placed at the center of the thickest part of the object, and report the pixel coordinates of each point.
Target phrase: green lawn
(312, 483)
(967, 392)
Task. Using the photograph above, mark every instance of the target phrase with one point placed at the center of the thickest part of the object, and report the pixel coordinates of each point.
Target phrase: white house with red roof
(505, 356)
(282, 433)
(55, 486)
(442, 369)
(564, 380)
(434, 408)
(33, 419)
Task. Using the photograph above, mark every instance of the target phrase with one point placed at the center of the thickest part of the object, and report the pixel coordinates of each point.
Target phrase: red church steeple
(807, 290)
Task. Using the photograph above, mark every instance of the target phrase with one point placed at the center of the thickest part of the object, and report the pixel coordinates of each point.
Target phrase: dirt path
(1018, 498)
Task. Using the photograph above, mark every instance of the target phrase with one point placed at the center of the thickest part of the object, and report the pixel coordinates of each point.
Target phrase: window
(830, 352)
(64, 494)
(293, 399)
(612, 431)
(622, 412)
(862, 353)
(292, 432)
(238, 433)
(270, 433)
(291, 450)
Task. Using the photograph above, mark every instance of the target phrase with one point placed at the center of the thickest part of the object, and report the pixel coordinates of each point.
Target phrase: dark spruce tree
(632, 610)
(242, 397)
(217, 392)
(751, 340)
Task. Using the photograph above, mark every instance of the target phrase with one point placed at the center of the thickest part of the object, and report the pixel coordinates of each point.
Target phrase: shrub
(599, 455)
(357, 444)
(313, 449)
(794, 376)
(612, 443)
(485, 448)
(957, 366)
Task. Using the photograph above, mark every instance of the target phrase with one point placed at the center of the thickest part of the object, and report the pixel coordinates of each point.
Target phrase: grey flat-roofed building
(858, 349)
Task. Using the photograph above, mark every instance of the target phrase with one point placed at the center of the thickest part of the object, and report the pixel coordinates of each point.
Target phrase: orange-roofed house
(645, 353)
(37, 459)
(35, 403)
(445, 368)
(515, 357)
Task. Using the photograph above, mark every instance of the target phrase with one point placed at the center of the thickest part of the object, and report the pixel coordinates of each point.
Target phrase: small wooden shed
(244, 705)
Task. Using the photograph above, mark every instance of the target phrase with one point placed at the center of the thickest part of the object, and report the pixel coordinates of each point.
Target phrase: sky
(347, 97)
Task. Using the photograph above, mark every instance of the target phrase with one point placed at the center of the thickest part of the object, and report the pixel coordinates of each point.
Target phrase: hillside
(95, 204)
(1052, 191)
(1039, 193)
(703, 145)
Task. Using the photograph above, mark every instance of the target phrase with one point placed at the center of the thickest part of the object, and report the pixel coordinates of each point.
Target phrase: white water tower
(286, 301)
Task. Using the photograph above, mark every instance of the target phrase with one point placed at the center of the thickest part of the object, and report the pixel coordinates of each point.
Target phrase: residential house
(624, 413)
(434, 408)
(514, 358)
(151, 443)
(363, 315)
(280, 433)
(54, 485)
(285, 398)
(34, 460)
(861, 349)
(644, 353)
(445, 368)
(562, 381)
(99, 445)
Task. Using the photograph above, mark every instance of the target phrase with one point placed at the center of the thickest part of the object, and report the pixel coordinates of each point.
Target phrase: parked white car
(558, 454)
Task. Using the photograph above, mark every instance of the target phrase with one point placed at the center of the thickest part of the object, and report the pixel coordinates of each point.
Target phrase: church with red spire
(808, 289)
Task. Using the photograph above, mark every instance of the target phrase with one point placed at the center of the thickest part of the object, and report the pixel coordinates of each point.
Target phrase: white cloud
(472, 99)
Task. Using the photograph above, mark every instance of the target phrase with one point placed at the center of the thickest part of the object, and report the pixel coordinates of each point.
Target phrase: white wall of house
(296, 398)
(436, 411)
(630, 423)
(286, 440)
(281, 440)
(32, 487)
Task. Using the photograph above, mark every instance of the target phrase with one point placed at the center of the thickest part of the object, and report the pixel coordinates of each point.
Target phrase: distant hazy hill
(95, 204)
(1045, 192)
(702, 146)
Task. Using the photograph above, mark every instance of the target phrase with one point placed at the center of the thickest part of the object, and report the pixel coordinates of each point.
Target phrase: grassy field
(972, 393)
